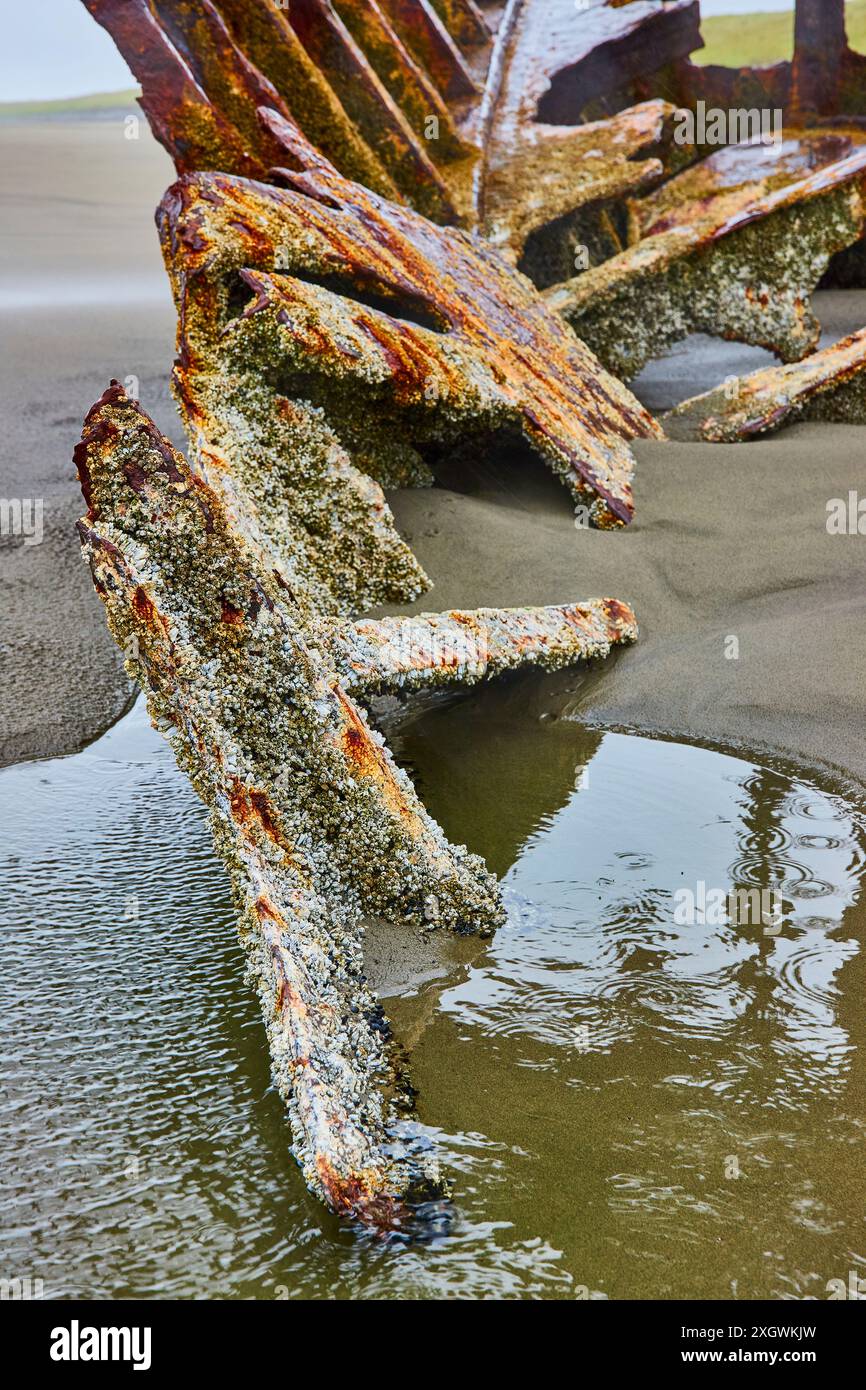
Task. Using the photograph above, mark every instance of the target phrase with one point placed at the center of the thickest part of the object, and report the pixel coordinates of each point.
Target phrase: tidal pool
(633, 1099)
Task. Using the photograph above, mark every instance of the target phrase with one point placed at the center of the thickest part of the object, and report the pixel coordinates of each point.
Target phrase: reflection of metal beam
(829, 385)
(445, 648)
(315, 823)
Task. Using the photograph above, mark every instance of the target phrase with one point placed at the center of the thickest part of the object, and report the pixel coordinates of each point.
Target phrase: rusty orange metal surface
(496, 360)
(248, 687)
(828, 385)
(435, 103)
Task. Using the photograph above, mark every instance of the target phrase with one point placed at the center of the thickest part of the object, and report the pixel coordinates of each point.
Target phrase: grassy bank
(754, 40)
(98, 101)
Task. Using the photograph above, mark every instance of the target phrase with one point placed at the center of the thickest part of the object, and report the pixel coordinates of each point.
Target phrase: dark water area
(636, 1094)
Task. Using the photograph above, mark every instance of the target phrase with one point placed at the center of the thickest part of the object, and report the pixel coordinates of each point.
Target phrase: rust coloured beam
(264, 35)
(445, 341)
(375, 114)
(407, 82)
(820, 48)
(421, 29)
(316, 825)
(464, 21)
(391, 92)
(182, 115)
(828, 385)
(192, 66)
(732, 247)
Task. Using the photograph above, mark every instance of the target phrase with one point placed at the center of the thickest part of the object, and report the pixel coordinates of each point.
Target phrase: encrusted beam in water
(829, 385)
(733, 247)
(402, 337)
(317, 826)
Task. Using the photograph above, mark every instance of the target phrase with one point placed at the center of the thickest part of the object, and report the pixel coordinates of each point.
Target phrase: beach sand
(728, 541)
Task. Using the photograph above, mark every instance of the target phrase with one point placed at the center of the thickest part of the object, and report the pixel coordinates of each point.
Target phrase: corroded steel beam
(407, 336)
(315, 823)
(732, 247)
(434, 649)
(372, 110)
(554, 171)
(464, 21)
(183, 67)
(264, 34)
(829, 385)
(559, 57)
(405, 79)
(820, 48)
(423, 32)
(182, 115)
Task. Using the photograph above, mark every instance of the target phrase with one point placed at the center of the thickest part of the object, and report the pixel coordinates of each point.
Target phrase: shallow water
(595, 1076)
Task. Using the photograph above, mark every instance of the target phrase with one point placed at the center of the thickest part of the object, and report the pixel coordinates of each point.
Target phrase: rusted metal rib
(265, 35)
(407, 97)
(464, 21)
(828, 385)
(421, 29)
(406, 80)
(316, 825)
(298, 260)
(181, 113)
(435, 649)
(368, 104)
(733, 247)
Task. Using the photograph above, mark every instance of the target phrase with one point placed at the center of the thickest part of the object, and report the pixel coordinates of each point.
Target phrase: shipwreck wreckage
(397, 227)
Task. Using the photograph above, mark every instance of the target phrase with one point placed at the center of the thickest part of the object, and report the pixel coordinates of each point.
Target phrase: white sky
(53, 48)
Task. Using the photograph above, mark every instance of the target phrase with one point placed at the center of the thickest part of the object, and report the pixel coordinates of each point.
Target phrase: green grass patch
(756, 40)
(97, 102)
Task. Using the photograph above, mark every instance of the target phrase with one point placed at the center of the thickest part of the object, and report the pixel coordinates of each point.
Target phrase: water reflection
(597, 1075)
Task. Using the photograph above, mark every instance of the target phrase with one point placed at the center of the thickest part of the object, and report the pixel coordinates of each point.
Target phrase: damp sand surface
(632, 1097)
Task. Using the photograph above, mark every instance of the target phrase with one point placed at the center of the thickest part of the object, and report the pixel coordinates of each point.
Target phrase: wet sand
(728, 542)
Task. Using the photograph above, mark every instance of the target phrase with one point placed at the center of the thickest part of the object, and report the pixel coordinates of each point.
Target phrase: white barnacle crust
(316, 824)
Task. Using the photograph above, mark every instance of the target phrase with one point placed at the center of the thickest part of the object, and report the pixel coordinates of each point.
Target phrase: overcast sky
(53, 48)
